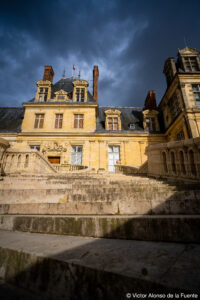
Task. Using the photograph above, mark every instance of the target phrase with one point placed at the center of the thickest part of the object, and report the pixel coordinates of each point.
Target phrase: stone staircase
(100, 205)
(104, 236)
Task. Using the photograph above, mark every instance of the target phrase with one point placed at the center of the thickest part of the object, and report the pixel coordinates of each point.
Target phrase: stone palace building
(64, 128)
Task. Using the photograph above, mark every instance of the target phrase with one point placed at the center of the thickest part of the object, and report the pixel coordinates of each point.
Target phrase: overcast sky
(128, 40)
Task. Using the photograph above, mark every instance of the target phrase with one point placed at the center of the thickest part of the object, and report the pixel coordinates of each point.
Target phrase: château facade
(66, 125)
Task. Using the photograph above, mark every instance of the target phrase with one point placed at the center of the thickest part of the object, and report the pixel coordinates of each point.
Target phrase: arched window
(173, 162)
(192, 164)
(26, 161)
(182, 162)
(165, 162)
(19, 161)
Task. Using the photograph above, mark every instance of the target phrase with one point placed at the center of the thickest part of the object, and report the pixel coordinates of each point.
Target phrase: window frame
(58, 121)
(39, 121)
(112, 122)
(191, 64)
(77, 121)
(80, 94)
(196, 92)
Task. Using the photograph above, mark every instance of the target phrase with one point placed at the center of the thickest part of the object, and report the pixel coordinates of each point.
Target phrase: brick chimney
(48, 73)
(95, 83)
(150, 102)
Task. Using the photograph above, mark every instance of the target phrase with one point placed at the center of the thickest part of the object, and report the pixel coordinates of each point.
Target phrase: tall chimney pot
(95, 83)
(48, 73)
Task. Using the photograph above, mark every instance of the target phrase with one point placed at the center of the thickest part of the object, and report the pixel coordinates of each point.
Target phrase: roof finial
(63, 75)
(79, 74)
(185, 42)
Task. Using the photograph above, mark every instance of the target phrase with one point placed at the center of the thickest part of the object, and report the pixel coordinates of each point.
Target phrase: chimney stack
(48, 73)
(95, 83)
(150, 102)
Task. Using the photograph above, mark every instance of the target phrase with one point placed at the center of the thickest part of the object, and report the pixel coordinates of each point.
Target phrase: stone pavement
(66, 267)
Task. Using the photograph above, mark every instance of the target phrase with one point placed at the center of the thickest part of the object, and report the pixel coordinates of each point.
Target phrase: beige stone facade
(65, 128)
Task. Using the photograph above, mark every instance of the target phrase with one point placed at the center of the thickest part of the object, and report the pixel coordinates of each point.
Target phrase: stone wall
(179, 160)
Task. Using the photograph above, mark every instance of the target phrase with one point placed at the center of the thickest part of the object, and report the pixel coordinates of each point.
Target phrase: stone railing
(63, 168)
(177, 160)
(125, 169)
(28, 161)
(3, 147)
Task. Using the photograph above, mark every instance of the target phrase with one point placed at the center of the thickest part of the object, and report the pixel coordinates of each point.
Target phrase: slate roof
(11, 119)
(129, 115)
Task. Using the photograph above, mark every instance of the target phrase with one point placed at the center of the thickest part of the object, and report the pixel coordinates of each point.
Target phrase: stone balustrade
(30, 161)
(125, 169)
(62, 168)
(177, 160)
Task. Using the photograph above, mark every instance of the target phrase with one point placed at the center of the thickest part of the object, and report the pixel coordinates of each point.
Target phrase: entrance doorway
(54, 159)
(76, 155)
(113, 156)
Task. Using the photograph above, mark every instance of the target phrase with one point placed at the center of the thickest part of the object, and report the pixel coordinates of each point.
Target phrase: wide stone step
(64, 267)
(177, 228)
(70, 194)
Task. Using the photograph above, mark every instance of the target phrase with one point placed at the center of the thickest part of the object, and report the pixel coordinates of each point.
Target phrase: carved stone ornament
(54, 147)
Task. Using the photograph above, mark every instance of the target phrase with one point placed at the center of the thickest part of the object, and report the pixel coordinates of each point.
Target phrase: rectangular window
(43, 93)
(78, 121)
(76, 155)
(80, 95)
(58, 120)
(112, 123)
(37, 147)
(191, 64)
(196, 91)
(39, 121)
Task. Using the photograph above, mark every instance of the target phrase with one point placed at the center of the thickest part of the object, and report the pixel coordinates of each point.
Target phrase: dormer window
(150, 121)
(61, 95)
(151, 124)
(113, 124)
(113, 121)
(80, 91)
(43, 93)
(191, 64)
(80, 95)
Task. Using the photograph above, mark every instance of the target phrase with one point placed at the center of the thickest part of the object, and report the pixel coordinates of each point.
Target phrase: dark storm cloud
(129, 40)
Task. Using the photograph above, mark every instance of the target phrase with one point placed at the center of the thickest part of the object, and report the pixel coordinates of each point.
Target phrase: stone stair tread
(155, 263)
